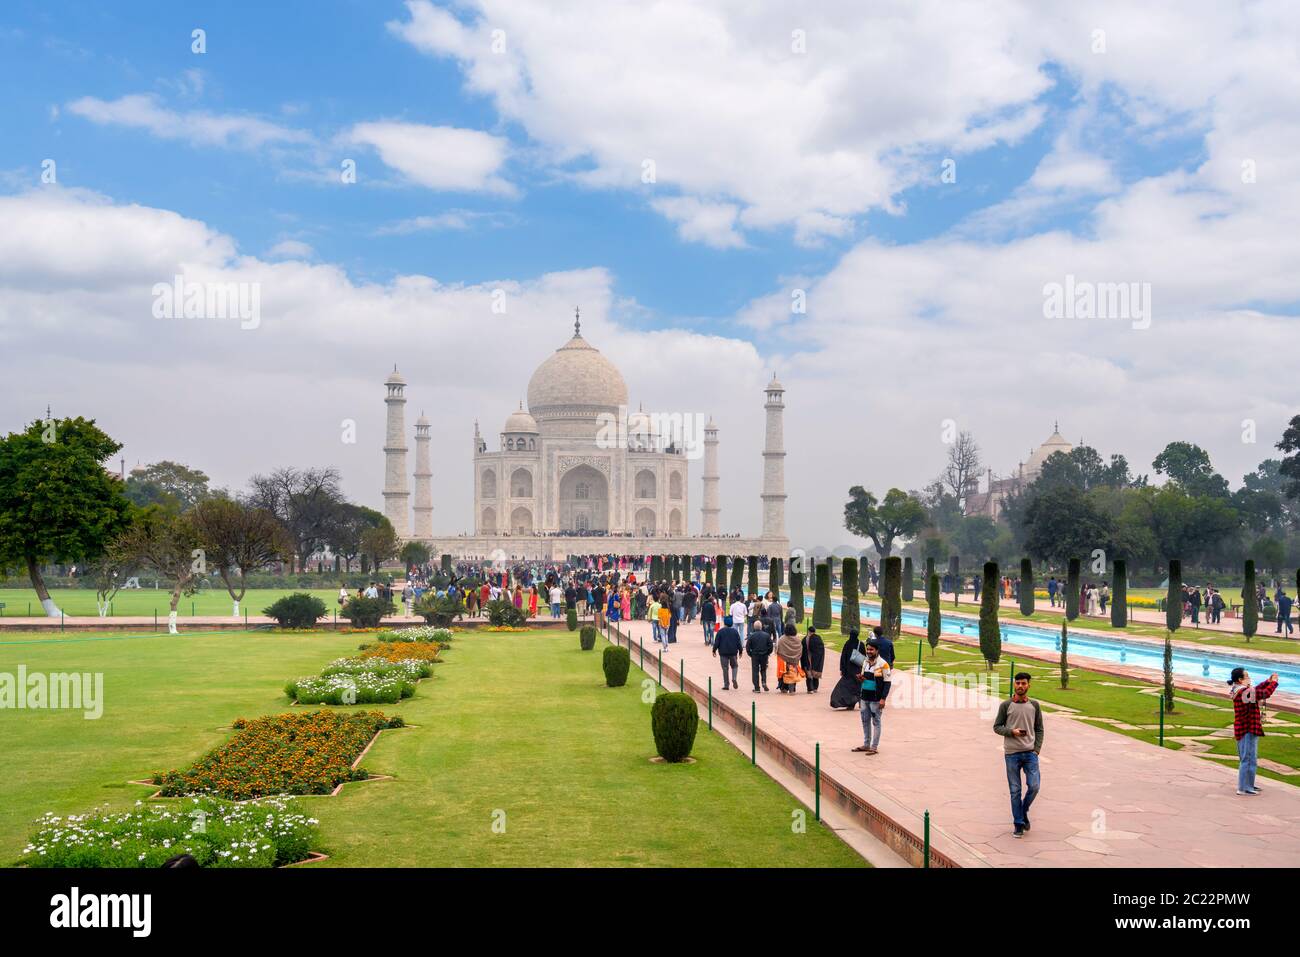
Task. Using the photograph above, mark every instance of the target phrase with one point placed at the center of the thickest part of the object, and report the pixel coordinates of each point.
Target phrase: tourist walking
(738, 611)
(708, 615)
(873, 689)
(1248, 724)
(1051, 590)
(1283, 612)
(814, 656)
(727, 646)
(789, 650)
(1020, 722)
(759, 647)
(557, 597)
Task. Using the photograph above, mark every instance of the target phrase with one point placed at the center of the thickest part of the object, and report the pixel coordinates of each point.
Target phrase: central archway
(584, 500)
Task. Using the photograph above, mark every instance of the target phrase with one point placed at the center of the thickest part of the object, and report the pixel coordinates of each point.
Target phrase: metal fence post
(681, 675)
(817, 783)
(753, 732)
(710, 702)
(661, 667)
(927, 839)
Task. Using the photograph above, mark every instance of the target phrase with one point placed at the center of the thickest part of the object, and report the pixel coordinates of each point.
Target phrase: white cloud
(291, 249)
(198, 128)
(438, 157)
(713, 224)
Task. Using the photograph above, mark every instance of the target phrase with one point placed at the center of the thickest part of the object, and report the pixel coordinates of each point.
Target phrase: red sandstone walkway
(1107, 800)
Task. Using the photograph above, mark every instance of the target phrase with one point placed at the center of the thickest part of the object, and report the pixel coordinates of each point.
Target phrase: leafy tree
(1062, 522)
(1188, 466)
(107, 574)
(305, 501)
(1027, 586)
(168, 545)
(963, 467)
(237, 539)
(898, 516)
(850, 609)
(822, 596)
(169, 484)
(57, 503)
(990, 629)
(1290, 467)
(934, 620)
(1082, 469)
(1270, 553)
(415, 553)
(379, 542)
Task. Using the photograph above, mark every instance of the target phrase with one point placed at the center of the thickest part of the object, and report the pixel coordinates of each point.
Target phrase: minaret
(774, 462)
(397, 500)
(711, 509)
(423, 481)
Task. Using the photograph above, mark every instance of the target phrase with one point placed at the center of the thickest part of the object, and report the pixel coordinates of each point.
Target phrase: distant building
(997, 488)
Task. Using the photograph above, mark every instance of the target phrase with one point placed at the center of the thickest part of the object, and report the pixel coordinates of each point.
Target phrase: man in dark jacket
(726, 644)
(814, 656)
(886, 645)
(759, 648)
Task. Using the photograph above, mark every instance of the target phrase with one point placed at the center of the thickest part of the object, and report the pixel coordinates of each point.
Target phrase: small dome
(423, 420)
(1055, 443)
(395, 378)
(520, 421)
(774, 385)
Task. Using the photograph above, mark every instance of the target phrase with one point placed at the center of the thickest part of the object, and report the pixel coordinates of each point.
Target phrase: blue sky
(1097, 140)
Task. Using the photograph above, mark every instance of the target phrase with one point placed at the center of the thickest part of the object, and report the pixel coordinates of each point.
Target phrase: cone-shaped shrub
(737, 573)
(1026, 587)
(891, 596)
(822, 596)
(909, 588)
(1119, 594)
(572, 619)
(850, 609)
(616, 662)
(446, 564)
(688, 567)
(954, 572)
(674, 719)
(1174, 594)
(720, 574)
(753, 574)
(656, 573)
(796, 595)
(1065, 655)
(1169, 673)
(708, 574)
(990, 630)
(587, 637)
(934, 620)
(775, 575)
(1072, 590)
(864, 574)
(1249, 602)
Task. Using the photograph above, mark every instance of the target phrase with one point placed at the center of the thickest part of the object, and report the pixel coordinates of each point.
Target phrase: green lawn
(21, 602)
(513, 723)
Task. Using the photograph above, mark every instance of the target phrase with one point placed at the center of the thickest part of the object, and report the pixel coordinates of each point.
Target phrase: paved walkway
(1107, 800)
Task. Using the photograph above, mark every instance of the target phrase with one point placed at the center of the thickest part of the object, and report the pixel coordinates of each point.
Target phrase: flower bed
(267, 833)
(306, 753)
(361, 680)
(398, 651)
(443, 636)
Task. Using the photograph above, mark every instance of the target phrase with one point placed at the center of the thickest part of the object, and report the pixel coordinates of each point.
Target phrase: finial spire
(577, 321)
(1056, 425)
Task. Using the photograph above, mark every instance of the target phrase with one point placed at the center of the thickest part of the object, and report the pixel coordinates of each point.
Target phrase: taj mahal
(577, 473)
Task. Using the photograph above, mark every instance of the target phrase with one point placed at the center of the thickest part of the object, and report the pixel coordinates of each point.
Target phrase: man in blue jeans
(1020, 722)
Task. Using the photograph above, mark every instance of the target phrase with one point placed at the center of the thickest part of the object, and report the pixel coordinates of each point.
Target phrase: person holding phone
(874, 689)
(1248, 724)
(1020, 722)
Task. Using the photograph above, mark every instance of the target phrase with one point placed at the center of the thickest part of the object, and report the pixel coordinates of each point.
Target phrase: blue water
(1215, 666)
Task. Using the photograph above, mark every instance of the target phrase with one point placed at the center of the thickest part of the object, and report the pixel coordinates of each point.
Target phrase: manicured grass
(518, 723)
(22, 602)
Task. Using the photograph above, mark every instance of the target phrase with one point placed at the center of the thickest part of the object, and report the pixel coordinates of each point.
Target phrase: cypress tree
(446, 564)
(864, 574)
(796, 594)
(929, 570)
(909, 591)
(753, 574)
(1119, 594)
(822, 596)
(737, 573)
(708, 574)
(688, 567)
(1173, 618)
(1065, 656)
(891, 596)
(775, 578)
(1249, 602)
(720, 574)
(954, 572)
(1026, 587)
(850, 610)
(1072, 590)
(990, 631)
(933, 621)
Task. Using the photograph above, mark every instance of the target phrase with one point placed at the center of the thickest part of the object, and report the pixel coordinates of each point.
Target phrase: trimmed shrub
(737, 573)
(891, 596)
(708, 574)
(850, 606)
(616, 661)
(990, 631)
(503, 614)
(954, 572)
(775, 574)
(934, 621)
(720, 564)
(1249, 602)
(587, 637)
(909, 587)
(674, 719)
(438, 610)
(796, 594)
(572, 619)
(1072, 590)
(753, 574)
(366, 612)
(299, 610)
(688, 567)
(1119, 594)
(446, 564)
(864, 574)
(1026, 587)
(821, 617)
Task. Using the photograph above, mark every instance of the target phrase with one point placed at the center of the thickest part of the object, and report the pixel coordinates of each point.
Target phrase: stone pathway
(1107, 800)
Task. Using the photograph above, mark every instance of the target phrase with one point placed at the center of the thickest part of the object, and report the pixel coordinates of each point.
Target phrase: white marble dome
(520, 421)
(576, 375)
(1055, 443)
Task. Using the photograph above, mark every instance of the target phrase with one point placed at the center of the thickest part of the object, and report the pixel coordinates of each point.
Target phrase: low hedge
(587, 637)
(572, 619)
(674, 719)
(299, 610)
(367, 612)
(504, 614)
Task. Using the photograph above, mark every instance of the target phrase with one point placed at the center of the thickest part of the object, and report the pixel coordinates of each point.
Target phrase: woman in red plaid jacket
(1248, 724)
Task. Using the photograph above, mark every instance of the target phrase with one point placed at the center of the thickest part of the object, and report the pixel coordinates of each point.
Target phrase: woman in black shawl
(846, 692)
(812, 659)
